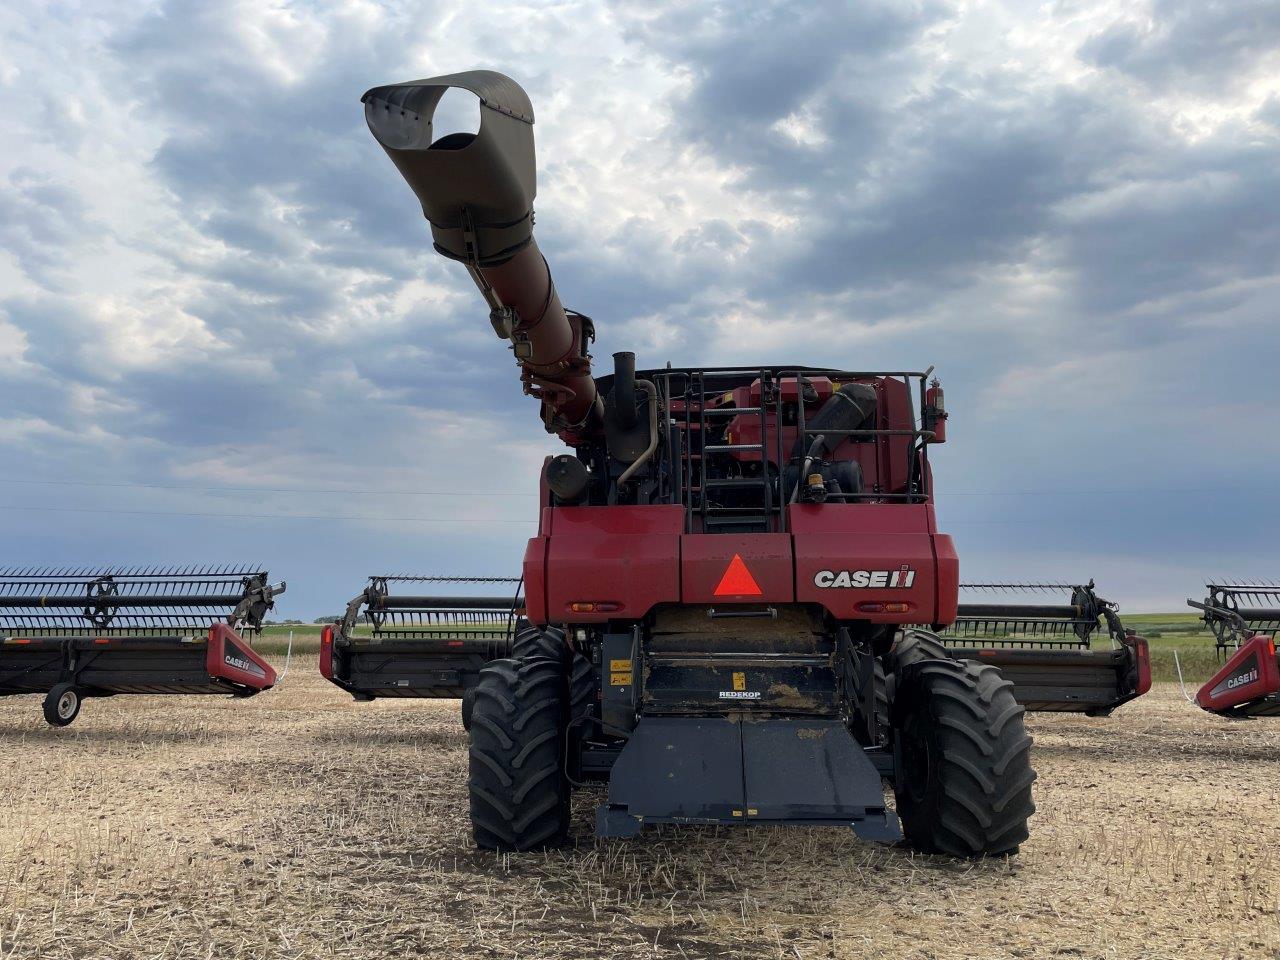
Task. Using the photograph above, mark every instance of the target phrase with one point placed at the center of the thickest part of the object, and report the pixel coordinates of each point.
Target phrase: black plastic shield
(696, 770)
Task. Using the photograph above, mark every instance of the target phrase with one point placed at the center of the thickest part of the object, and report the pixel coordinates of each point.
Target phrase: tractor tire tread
(982, 797)
(519, 797)
(531, 641)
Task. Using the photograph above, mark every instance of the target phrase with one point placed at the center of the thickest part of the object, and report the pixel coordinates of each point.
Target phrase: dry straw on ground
(301, 824)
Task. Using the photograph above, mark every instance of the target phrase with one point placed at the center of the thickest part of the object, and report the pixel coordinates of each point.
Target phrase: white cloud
(209, 273)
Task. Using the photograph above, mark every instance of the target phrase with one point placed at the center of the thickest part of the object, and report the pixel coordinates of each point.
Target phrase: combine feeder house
(72, 634)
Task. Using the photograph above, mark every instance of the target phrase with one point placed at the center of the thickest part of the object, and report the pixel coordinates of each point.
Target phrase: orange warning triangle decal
(738, 581)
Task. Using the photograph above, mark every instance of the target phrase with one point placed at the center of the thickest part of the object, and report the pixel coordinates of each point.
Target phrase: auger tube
(477, 192)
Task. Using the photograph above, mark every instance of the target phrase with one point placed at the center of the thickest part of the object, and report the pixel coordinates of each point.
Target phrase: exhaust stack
(477, 192)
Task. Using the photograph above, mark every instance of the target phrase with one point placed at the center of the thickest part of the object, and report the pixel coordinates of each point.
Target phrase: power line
(194, 489)
(264, 516)
(942, 493)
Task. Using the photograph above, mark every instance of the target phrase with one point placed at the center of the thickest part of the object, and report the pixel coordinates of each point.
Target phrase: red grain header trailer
(726, 568)
(76, 633)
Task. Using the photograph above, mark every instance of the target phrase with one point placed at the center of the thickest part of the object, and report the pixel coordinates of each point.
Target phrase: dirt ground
(302, 824)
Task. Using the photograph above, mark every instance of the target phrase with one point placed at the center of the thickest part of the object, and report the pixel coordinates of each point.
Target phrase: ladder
(736, 519)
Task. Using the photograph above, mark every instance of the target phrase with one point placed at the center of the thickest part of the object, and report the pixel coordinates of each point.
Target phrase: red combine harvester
(726, 569)
(72, 634)
(1245, 627)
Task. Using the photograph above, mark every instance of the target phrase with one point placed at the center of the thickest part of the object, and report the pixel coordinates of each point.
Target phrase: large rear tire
(964, 781)
(916, 645)
(531, 641)
(518, 791)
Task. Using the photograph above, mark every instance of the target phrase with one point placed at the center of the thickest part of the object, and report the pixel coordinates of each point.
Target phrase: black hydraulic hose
(814, 449)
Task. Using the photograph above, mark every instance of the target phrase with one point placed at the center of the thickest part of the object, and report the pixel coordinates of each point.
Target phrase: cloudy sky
(223, 336)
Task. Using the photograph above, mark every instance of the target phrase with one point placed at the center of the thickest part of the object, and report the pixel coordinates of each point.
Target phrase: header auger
(721, 589)
(77, 633)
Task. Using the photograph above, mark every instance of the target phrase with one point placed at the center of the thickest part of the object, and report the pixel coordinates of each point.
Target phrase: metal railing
(695, 390)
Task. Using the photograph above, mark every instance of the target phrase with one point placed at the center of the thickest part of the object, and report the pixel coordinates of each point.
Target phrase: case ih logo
(901, 578)
(237, 663)
(1240, 679)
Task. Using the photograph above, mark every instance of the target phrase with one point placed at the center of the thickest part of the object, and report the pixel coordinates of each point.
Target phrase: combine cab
(1047, 649)
(77, 634)
(396, 644)
(1244, 619)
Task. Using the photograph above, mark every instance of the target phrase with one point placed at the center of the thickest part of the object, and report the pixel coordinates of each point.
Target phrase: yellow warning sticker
(620, 666)
(620, 679)
(739, 680)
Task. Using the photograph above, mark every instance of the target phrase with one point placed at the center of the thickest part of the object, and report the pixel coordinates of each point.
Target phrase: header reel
(73, 633)
(1033, 625)
(1236, 612)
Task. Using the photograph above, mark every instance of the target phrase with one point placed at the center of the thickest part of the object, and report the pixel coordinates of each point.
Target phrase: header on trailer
(73, 633)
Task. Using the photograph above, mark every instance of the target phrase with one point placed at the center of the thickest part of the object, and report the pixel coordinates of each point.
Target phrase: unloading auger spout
(477, 190)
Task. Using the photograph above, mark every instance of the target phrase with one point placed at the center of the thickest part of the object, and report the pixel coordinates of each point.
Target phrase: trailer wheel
(534, 641)
(62, 704)
(964, 783)
(519, 793)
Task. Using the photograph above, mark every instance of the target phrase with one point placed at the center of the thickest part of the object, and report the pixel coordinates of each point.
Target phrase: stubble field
(301, 824)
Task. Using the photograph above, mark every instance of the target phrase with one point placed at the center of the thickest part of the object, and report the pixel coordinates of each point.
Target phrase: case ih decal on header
(727, 566)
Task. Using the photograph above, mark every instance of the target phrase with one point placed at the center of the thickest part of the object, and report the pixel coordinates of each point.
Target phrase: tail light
(326, 653)
(1143, 654)
(871, 606)
(594, 606)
